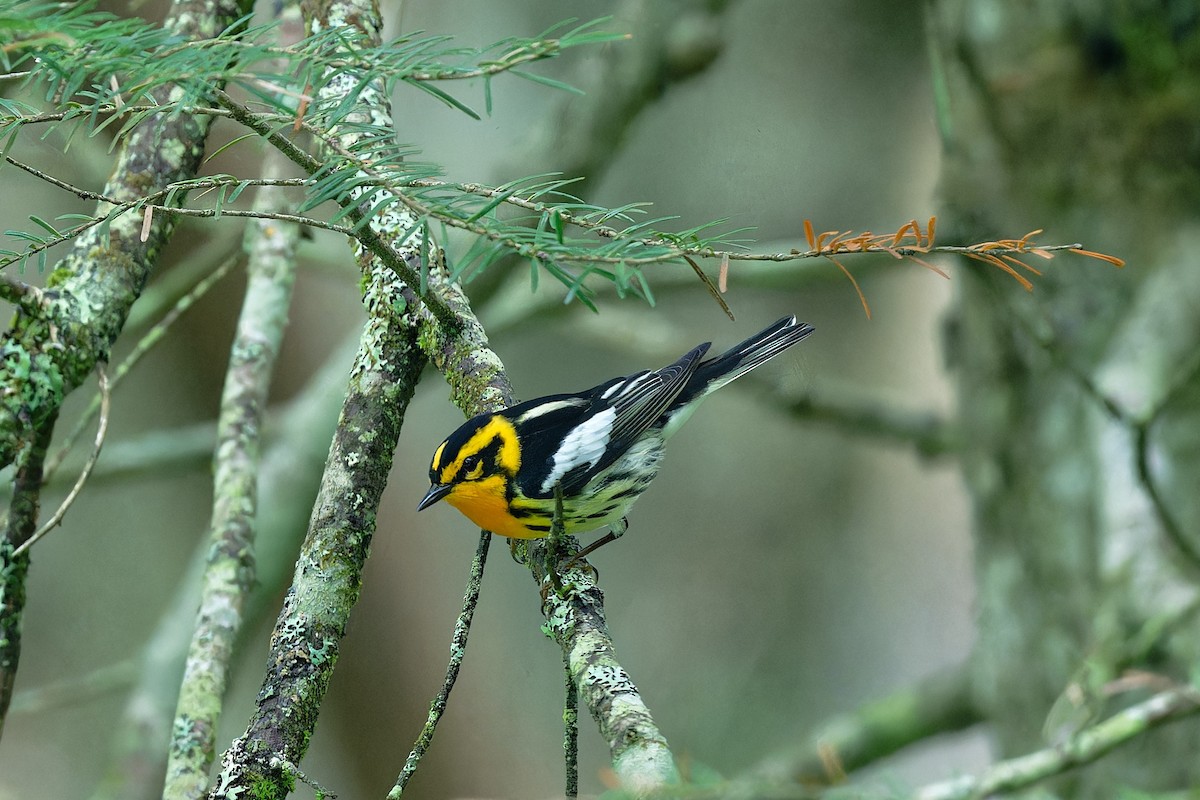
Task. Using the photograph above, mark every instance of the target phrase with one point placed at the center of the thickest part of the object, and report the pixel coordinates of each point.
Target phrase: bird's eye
(470, 463)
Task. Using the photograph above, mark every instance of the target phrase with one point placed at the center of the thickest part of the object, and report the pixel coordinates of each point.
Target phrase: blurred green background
(778, 572)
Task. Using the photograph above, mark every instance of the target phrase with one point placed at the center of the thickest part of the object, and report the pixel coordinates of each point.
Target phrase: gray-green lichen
(328, 575)
(89, 293)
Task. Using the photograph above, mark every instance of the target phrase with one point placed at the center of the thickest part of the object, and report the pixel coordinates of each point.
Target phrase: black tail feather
(745, 356)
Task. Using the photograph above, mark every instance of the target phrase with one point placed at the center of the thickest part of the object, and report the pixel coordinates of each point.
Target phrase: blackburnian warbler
(603, 446)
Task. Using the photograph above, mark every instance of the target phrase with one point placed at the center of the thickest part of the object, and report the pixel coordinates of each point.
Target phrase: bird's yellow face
(473, 471)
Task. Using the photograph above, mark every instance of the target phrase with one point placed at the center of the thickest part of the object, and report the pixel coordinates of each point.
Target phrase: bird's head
(471, 470)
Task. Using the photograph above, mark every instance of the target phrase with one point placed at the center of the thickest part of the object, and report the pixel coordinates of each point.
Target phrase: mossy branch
(50, 350)
(230, 573)
(307, 636)
(1085, 747)
(14, 567)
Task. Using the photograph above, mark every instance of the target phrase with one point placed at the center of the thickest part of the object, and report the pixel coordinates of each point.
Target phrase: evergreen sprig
(96, 72)
(77, 54)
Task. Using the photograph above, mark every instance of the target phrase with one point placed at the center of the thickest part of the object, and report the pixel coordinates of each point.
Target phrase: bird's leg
(558, 530)
(518, 549)
(615, 531)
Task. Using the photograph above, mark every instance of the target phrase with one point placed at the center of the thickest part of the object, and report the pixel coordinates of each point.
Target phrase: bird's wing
(642, 398)
(617, 415)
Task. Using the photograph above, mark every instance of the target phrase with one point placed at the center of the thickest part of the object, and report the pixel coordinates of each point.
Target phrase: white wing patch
(546, 408)
(583, 445)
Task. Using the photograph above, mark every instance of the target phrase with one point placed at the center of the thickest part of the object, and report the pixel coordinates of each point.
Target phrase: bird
(601, 447)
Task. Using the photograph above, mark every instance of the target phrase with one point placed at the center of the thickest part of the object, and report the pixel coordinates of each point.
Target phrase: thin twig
(677, 250)
(101, 432)
(1137, 424)
(670, 249)
(673, 249)
(144, 346)
(149, 207)
(1166, 518)
(82, 194)
(213, 182)
(554, 556)
(458, 650)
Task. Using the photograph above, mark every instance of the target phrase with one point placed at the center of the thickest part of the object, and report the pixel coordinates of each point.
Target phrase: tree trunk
(1080, 398)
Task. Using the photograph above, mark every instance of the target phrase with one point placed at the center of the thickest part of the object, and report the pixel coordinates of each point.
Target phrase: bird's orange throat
(485, 503)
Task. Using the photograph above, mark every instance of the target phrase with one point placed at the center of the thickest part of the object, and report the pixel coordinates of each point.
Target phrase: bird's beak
(435, 493)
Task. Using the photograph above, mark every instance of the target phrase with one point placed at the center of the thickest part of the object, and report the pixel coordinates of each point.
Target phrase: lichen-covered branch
(57, 338)
(22, 522)
(287, 480)
(1083, 748)
(328, 576)
(230, 573)
(307, 637)
(575, 621)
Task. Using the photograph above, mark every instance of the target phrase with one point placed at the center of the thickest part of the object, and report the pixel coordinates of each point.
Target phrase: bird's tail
(715, 372)
(745, 356)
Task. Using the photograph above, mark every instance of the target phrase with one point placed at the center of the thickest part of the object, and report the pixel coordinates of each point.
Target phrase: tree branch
(575, 621)
(306, 641)
(22, 521)
(1083, 748)
(328, 576)
(89, 295)
(229, 576)
(289, 474)
(458, 651)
